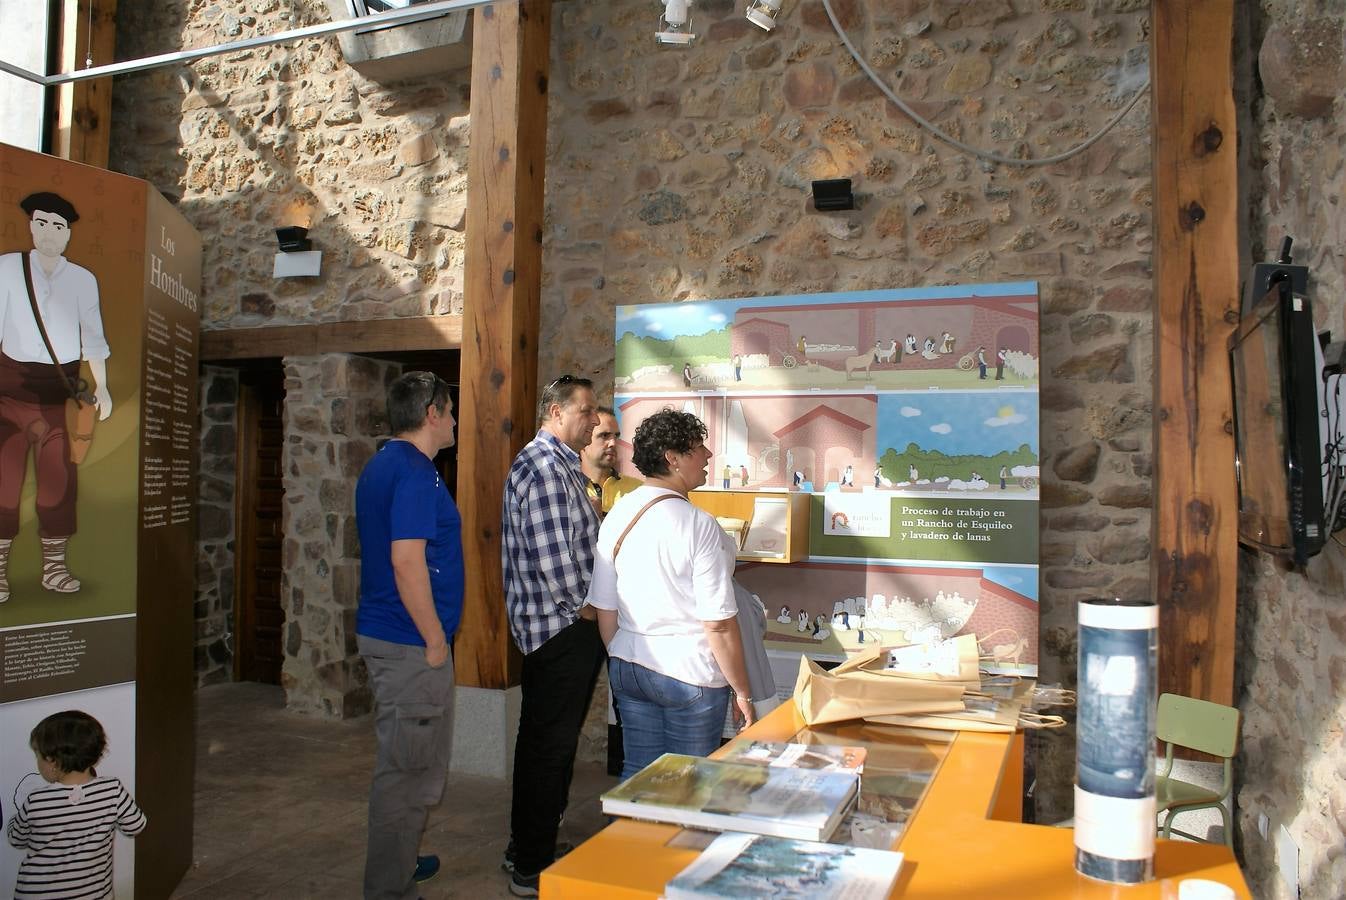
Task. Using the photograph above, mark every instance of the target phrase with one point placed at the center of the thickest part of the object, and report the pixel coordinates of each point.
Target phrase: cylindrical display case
(1114, 771)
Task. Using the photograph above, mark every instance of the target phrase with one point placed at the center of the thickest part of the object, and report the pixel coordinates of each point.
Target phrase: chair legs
(1166, 830)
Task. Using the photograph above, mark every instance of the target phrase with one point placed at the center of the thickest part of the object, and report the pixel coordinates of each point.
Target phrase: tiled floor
(280, 807)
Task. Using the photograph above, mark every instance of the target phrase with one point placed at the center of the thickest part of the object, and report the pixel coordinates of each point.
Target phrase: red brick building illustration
(773, 435)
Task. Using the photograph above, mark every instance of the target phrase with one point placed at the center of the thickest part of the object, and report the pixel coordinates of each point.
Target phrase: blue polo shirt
(400, 496)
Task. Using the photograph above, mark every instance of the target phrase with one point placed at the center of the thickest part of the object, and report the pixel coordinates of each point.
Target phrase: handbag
(80, 410)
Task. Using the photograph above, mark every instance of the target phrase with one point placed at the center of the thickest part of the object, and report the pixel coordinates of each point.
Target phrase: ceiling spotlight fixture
(674, 27)
(762, 13)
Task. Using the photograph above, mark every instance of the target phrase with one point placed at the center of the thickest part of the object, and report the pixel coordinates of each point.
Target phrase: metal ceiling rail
(403, 16)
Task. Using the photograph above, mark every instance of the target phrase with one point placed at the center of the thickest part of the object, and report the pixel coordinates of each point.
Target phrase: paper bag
(857, 694)
(952, 660)
(979, 714)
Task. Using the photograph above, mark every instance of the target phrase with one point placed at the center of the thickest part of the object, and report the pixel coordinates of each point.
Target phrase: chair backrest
(1198, 724)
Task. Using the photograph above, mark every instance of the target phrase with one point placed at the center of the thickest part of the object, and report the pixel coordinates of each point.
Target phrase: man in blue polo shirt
(411, 597)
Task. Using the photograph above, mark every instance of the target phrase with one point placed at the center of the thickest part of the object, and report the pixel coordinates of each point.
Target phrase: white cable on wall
(953, 141)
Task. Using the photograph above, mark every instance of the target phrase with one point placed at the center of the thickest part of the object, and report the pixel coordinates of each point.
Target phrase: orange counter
(965, 841)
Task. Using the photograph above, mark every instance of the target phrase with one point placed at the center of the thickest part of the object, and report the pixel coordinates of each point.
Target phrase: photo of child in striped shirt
(67, 825)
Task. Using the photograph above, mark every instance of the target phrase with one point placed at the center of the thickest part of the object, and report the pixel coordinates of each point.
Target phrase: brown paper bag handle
(1037, 720)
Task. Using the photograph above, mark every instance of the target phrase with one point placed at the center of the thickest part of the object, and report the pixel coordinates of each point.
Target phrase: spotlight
(293, 239)
(674, 23)
(762, 13)
(297, 258)
(831, 194)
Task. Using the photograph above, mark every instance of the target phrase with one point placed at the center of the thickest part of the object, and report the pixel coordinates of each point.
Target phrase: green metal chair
(1198, 725)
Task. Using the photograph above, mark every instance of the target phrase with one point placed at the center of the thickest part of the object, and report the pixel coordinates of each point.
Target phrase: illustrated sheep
(1021, 364)
(856, 363)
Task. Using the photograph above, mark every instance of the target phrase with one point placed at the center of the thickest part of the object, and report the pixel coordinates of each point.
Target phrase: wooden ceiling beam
(369, 336)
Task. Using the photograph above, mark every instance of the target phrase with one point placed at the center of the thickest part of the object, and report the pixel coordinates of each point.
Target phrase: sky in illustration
(957, 423)
(1023, 579)
(693, 317)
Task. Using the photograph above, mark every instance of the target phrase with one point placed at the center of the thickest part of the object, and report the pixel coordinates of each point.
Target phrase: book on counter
(805, 804)
(738, 866)
(799, 756)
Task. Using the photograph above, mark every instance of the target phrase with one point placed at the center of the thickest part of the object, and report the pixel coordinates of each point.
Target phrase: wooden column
(503, 275)
(84, 109)
(1194, 563)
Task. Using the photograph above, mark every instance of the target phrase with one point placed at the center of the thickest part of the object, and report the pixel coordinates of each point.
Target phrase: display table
(964, 840)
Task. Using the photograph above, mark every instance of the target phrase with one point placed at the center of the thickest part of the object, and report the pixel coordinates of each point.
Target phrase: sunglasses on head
(564, 379)
(440, 385)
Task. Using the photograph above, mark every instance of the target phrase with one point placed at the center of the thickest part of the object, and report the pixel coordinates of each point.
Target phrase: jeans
(556, 686)
(414, 728)
(664, 715)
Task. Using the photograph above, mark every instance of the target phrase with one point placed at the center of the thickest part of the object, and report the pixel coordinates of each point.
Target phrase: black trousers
(558, 683)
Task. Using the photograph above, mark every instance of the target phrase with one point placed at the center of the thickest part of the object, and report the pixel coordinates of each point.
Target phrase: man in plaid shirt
(548, 533)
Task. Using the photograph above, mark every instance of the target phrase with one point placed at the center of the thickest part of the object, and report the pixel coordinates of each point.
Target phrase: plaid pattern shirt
(548, 533)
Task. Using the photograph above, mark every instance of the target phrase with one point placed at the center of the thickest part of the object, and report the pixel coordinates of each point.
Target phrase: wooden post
(84, 109)
(1194, 562)
(503, 276)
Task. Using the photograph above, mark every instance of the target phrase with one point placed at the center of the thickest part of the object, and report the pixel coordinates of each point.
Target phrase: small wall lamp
(293, 239)
(831, 194)
(297, 258)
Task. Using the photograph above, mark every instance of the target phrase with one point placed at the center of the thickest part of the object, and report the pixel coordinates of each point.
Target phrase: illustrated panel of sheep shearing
(910, 416)
(960, 337)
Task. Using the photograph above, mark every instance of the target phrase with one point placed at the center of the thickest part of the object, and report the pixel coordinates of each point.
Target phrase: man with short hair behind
(598, 461)
(548, 533)
(411, 598)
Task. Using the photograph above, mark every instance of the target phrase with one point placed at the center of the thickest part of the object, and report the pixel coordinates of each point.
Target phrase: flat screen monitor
(1275, 360)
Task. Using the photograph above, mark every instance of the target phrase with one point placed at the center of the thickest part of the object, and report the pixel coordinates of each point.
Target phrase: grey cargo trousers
(414, 729)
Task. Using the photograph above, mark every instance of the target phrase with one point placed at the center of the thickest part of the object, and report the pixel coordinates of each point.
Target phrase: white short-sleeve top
(675, 571)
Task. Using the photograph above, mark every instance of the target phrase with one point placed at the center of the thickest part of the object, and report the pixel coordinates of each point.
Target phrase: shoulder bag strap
(41, 329)
(617, 547)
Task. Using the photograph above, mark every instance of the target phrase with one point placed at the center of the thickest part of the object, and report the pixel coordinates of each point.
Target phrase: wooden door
(259, 617)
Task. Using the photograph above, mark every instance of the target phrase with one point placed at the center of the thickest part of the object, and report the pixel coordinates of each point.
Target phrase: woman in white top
(663, 589)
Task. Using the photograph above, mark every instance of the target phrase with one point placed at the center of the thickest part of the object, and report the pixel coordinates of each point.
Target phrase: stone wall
(334, 417)
(214, 653)
(684, 174)
(290, 135)
(1292, 622)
